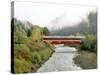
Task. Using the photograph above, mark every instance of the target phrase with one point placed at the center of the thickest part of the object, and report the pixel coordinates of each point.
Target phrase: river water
(61, 60)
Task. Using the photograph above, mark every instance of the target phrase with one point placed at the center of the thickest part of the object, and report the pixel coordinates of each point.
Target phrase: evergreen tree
(46, 31)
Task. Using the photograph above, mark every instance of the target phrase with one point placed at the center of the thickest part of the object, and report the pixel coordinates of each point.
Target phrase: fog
(51, 15)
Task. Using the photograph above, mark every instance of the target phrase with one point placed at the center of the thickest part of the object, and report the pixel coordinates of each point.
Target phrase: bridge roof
(64, 36)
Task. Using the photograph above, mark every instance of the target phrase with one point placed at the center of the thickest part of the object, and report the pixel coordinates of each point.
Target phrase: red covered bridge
(63, 39)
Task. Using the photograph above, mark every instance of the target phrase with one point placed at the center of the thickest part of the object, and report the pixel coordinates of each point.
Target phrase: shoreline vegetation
(87, 58)
(30, 51)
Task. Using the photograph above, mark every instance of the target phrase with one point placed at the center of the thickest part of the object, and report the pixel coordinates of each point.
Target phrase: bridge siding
(64, 42)
(61, 39)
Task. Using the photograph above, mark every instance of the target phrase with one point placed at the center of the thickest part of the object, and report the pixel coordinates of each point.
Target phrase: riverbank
(29, 51)
(86, 60)
(29, 60)
(41, 57)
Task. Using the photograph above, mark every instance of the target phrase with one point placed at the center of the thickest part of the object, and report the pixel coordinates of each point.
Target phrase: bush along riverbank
(87, 58)
(30, 51)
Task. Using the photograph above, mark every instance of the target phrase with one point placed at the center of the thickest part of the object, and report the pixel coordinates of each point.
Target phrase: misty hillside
(82, 27)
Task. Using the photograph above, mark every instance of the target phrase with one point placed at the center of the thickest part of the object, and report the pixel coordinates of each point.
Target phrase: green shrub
(21, 50)
(36, 34)
(20, 37)
(36, 59)
(21, 65)
(45, 53)
(89, 43)
(41, 55)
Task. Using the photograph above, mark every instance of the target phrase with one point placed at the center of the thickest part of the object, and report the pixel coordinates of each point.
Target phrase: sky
(44, 14)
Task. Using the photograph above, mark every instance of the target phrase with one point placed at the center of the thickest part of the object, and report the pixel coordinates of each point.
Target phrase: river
(61, 60)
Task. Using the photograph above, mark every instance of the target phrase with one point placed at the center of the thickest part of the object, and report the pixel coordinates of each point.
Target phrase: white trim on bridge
(64, 36)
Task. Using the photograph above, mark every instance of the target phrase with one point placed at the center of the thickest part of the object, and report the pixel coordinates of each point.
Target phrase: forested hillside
(29, 49)
(86, 28)
(83, 27)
